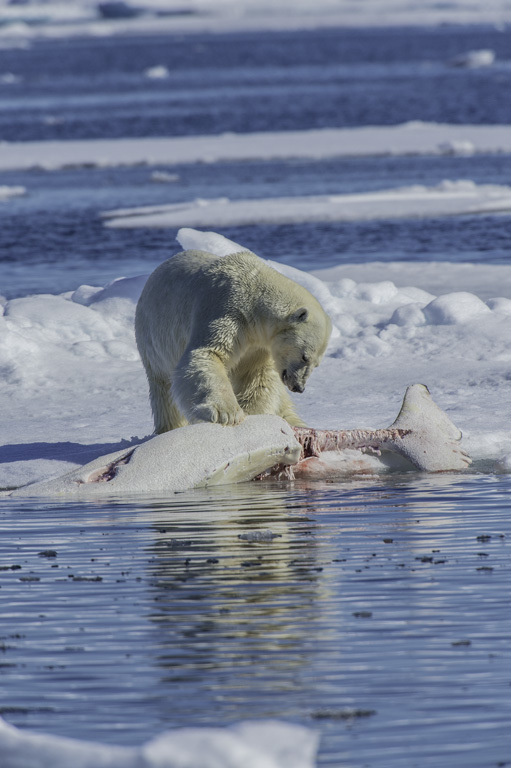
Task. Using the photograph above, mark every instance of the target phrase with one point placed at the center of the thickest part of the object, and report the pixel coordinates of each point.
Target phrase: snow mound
(453, 308)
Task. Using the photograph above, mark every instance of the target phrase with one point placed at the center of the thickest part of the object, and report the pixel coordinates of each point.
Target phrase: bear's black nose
(298, 388)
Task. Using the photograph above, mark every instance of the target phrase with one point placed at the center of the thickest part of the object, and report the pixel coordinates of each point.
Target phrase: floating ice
(474, 59)
(164, 177)
(449, 198)
(83, 17)
(157, 73)
(415, 138)
(7, 192)
(266, 744)
(9, 78)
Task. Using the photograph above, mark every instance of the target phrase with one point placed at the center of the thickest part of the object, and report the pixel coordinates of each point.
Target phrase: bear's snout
(292, 382)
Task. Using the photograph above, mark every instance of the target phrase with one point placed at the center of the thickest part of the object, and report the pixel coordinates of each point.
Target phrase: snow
(267, 744)
(446, 199)
(73, 387)
(456, 308)
(412, 138)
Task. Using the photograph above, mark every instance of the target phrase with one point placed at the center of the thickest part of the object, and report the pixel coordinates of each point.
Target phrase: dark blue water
(252, 82)
(53, 239)
(377, 615)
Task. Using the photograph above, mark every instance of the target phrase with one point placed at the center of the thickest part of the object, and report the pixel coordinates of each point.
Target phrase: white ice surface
(73, 387)
(80, 17)
(446, 199)
(266, 744)
(413, 138)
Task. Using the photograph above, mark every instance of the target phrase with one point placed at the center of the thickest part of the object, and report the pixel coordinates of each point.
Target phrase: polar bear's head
(298, 348)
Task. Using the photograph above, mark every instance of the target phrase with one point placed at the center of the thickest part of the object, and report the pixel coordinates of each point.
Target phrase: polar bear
(220, 337)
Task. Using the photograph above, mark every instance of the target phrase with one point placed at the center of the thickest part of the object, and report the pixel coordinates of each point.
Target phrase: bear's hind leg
(166, 415)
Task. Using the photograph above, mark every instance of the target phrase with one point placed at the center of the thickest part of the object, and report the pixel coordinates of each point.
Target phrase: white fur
(219, 336)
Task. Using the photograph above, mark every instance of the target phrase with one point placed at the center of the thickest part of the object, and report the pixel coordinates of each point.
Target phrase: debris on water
(363, 614)
(484, 537)
(48, 553)
(460, 643)
(255, 536)
(87, 578)
(342, 714)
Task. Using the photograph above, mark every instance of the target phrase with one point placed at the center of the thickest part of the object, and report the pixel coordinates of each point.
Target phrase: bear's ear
(299, 315)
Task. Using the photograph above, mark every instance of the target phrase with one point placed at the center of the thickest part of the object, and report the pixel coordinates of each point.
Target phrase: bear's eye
(305, 358)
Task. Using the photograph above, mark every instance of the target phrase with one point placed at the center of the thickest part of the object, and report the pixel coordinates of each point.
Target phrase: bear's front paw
(218, 414)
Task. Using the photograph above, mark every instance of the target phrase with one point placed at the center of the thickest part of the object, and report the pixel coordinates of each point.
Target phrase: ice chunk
(7, 192)
(158, 72)
(474, 59)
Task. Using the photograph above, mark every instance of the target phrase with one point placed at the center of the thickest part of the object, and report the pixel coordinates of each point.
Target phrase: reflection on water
(379, 615)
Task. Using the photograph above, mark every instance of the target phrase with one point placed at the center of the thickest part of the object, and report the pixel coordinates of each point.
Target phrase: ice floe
(413, 138)
(73, 388)
(446, 199)
(82, 17)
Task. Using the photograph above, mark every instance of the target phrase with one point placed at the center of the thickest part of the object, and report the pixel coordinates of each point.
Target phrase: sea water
(376, 611)
(53, 239)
